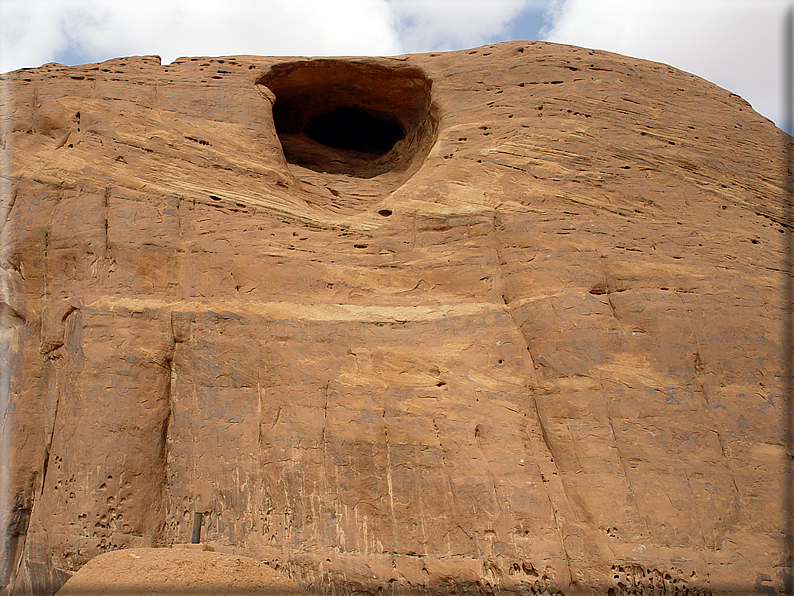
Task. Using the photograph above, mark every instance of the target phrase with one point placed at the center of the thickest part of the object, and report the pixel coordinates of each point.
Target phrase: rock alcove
(353, 118)
(355, 130)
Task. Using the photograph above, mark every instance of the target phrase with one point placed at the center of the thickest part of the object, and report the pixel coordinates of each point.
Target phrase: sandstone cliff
(498, 320)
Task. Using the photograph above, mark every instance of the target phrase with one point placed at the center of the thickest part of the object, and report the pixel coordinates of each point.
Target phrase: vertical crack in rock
(181, 329)
(486, 465)
(532, 381)
(54, 335)
(448, 478)
(699, 368)
(14, 516)
(47, 273)
(164, 440)
(48, 442)
(259, 436)
(324, 439)
(622, 461)
(608, 289)
(259, 519)
(389, 484)
(7, 206)
(531, 385)
(555, 507)
(421, 503)
(106, 216)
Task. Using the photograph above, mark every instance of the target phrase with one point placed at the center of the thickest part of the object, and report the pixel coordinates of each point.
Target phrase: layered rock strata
(499, 320)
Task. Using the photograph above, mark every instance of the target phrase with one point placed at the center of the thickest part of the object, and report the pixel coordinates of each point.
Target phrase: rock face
(499, 320)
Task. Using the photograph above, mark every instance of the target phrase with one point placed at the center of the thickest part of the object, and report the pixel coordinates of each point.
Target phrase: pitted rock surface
(498, 320)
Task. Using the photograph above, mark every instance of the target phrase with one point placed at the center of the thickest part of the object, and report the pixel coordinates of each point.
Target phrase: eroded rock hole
(358, 118)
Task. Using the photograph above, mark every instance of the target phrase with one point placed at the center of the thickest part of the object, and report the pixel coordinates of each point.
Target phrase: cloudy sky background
(737, 44)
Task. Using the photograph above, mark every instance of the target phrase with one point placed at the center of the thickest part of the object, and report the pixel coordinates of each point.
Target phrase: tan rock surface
(535, 346)
(151, 571)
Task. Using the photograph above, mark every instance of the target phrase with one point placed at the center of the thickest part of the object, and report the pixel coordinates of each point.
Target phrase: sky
(737, 44)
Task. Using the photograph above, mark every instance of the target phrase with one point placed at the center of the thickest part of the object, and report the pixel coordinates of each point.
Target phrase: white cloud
(36, 31)
(736, 44)
(427, 25)
(28, 33)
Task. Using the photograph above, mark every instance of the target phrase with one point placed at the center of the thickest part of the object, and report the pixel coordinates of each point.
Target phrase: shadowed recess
(357, 118)
(354, 130)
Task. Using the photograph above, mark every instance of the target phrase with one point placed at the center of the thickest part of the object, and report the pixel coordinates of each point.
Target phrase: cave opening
(357, 118)
(355, 130)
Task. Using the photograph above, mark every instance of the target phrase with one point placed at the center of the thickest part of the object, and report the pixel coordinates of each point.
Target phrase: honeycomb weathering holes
(357, 118)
